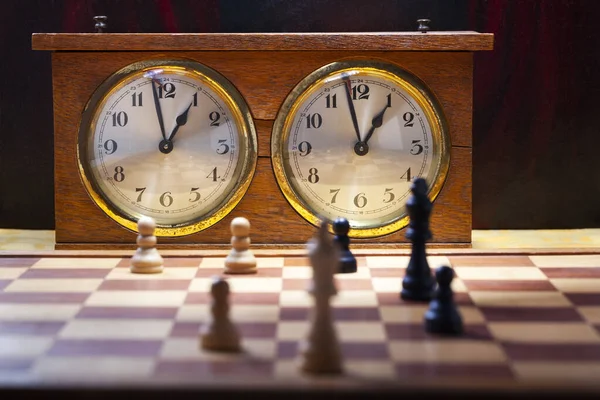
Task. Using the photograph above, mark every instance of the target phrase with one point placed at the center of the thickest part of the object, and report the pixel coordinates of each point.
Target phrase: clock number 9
(305, 148)
(110, 146)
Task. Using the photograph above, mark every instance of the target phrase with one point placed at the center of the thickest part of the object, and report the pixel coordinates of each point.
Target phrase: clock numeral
(213, 174)
(167, 90)
(360, 200)
(119, 175)
(406, 175)
(141, 192)
(417, 148)
(224, 146)
(305, 148)
(214, 118)
(165, 199)
(331, 101)
(314, 121)
(196, 195)
(335, 193)
(110, 146)
(391, 196)
(120, 119)
(408, 118)
(195, 101)
(136, 99)
(389, 100)
(360, 92)
(313, 177)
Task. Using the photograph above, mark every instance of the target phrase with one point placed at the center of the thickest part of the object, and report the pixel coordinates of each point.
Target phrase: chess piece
(418, 283)
(146, 259)
(320, 351)
(219, 334)
(240, 260)
(347, 263)
(443, 316)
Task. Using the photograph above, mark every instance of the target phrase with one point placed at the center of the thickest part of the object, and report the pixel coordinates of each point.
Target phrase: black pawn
(418, 283)
(443, 316)
(347, 264)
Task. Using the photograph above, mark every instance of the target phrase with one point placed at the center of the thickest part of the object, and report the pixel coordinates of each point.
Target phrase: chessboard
(80, 320)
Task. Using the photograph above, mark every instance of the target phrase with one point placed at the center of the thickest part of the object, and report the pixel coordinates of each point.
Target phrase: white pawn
(320, 351)
(219, 334)
(240, 260)
(146, 259)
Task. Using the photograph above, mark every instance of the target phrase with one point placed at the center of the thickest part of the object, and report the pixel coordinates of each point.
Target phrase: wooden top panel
(390, 41)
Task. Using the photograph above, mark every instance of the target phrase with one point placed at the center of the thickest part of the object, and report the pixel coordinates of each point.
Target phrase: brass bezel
(415, 87)
(240, 113)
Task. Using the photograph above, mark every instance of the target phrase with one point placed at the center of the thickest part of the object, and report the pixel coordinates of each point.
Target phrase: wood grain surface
(389, 41)
(264, 78)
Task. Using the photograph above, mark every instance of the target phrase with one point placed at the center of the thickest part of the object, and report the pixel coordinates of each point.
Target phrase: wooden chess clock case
(264, 68)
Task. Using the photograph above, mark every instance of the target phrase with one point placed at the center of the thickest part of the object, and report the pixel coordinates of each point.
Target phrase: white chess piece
(146, 259)
(240, 260)
(321, 351)
(219, 334)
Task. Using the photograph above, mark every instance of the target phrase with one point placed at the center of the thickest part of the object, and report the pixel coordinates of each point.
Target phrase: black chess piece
(443, 316)
(418, 283)
(347, 264)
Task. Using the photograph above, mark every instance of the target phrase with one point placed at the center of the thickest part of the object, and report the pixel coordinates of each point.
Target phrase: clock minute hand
(376, 123)
(180, 121)
(158, 110)
(351, 105)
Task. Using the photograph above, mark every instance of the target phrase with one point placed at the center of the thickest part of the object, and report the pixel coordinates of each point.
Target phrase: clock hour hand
(347, 86)
(180, 121)
(376, 123)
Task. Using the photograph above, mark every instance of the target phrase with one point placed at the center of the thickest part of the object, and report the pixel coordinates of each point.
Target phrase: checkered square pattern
(71, 319)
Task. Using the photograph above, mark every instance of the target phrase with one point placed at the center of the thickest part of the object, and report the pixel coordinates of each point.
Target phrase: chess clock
(349, 140)
(282, 129)
(169, 139)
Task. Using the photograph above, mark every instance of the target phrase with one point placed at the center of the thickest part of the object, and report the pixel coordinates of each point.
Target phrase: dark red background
(536, 137)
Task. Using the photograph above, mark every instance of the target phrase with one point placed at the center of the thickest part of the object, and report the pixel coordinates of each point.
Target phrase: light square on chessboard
(17, 262)
(167, 274)
(571, 285)
(307, 273)
(455, 351)
(567, 261)
(347, 331)
(490, 261)
(414, 313)
(38, 312)
(78, 369)
(353, 369)
(497, 273)
(240, 284)
(24, 347)
(116, 329)
(355, 298)
(237, 313)
(394, 285)
(54, 285)
(11, 272)
(519, 299)
(105, 347)
(544, 332)
(402, 261)
(189, 349)
(146, 298)
(77, 263)
(261, 262)
(581, 371)
(590, 313)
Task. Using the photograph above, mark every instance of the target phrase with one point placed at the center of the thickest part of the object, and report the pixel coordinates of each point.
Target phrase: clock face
(170, 140)
(350, 139)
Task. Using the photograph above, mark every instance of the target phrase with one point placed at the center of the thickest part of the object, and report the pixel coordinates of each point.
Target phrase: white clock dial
(170, 142)
(351, 142)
